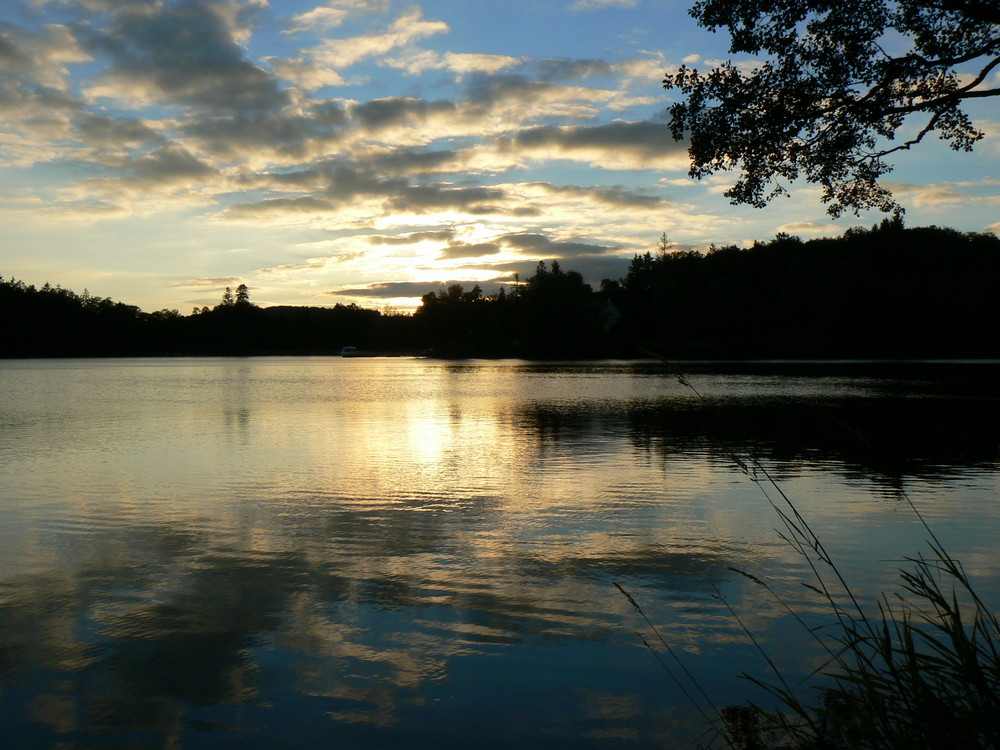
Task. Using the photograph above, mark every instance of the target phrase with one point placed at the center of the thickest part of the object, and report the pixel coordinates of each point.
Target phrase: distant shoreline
(686, 363)
(888, 294)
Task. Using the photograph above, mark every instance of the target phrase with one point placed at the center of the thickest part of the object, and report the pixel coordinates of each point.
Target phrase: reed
(922, 670)
(918, 668)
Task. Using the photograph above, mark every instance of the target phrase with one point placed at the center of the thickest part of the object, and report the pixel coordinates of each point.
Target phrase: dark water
(327, 553)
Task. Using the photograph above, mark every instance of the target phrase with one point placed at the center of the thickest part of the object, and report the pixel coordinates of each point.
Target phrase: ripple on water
(234, 543)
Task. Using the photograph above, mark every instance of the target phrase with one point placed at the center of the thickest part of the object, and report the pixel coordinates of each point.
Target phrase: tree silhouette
(888, 292)
(828, 99)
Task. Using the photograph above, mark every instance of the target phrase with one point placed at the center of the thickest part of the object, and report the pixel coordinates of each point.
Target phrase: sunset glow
(370, 151)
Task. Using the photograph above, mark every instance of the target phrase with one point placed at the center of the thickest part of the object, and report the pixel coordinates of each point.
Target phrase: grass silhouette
(918, 668)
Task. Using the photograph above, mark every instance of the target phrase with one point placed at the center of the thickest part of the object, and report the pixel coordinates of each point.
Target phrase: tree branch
(931, 124)
(964, 92)
(831, 111)
(973, 10)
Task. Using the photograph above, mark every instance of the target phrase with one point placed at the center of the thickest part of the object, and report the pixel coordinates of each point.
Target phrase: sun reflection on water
(218, 547)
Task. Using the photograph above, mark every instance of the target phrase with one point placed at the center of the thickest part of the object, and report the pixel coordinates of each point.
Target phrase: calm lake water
(395, 553)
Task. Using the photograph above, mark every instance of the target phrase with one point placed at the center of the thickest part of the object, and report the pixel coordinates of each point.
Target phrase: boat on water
(349, 351)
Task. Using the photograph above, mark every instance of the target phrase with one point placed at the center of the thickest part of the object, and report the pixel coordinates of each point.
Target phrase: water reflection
(875, 439)
(171, 635)
(262, 554)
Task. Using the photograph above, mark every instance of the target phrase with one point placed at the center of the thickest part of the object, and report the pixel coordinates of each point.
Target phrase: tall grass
(917, 669)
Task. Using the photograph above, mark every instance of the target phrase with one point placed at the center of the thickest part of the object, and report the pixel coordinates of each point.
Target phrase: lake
(409, 553)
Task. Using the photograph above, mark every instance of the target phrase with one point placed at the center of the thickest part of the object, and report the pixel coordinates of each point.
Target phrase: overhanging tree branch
(986, 12)
(908, 144)
(827, 93)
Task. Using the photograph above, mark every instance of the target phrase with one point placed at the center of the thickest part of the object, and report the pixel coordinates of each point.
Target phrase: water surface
(325, 552)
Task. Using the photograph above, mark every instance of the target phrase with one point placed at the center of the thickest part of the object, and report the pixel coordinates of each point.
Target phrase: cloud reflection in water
(389, 551)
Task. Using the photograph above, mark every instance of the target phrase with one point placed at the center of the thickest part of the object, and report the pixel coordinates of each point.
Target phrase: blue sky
(156, 151)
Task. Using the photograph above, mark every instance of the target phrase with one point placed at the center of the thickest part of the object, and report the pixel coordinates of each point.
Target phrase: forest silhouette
(887, 292)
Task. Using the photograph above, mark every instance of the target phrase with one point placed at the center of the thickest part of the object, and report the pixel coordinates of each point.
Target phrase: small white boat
(349, 351)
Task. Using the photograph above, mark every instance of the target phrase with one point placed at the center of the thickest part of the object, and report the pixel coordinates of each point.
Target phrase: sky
(371, 151)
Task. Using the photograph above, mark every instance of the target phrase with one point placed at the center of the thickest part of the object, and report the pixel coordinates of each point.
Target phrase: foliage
(835, 87)
(242, 296)
(552, 315)
(887, 292)
(924, 671)
(884, 292)
(51, 321)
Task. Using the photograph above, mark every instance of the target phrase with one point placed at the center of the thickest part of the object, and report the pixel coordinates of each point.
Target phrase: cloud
(346, 185)
(322, 18)
(104, 130)
(392, 289)
(187, 52)
(408, 28)
(811, 227)
(12, 56)
(616, 145)
(378, 114)
(410, 161)
(565, 69)
(492, 91)
(376, 127)
(615, 195)
(937, 196)
(170, 163)
(260, 209)
(397, 182)
(593, 268)
(644, 69)
(540, 246)
(393, 188)
(168, 171)
(36, 100)
(346, 182)
(492, 105)
(597, 4)
(333, 14)
(466, 250)
(291, 268)
(473, 62)
(443, 235)
(40, 58)
(991, 133)
(410, 289)
(262, 137)
(928, 196)
(463, 246)
(306, 74)
(417, 62)
(423, 198)
(218, 282)
(322, 65)
(79, 212)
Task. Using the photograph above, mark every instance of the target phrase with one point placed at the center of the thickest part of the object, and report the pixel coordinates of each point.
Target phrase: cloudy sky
(156, 151)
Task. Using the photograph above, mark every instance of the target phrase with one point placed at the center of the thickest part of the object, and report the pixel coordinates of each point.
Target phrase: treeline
(887, 292)
(51, 321)
(553, 314)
